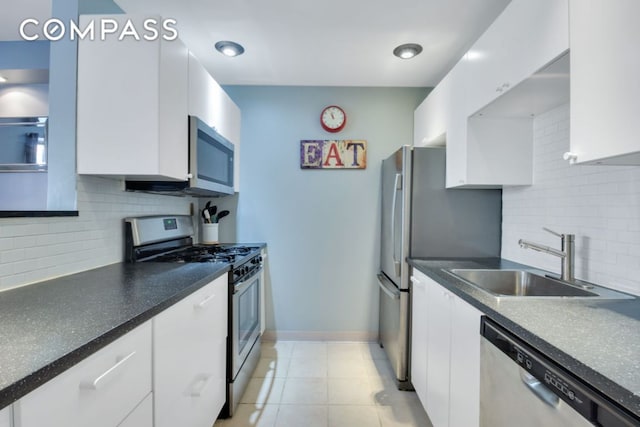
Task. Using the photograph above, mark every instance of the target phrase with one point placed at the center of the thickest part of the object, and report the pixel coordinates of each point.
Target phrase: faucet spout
(565, 254)
(525, 244)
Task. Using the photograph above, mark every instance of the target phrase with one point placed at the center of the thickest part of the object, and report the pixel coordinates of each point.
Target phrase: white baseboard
(357, 336)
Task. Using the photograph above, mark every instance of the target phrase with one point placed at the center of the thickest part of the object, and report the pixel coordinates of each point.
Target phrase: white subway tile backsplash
(599, 204)
(36, 249)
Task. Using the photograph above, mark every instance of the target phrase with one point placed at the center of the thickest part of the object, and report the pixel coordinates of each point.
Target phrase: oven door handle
(241, 286)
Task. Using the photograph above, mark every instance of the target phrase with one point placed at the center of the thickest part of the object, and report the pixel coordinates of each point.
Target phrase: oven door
(245, 320)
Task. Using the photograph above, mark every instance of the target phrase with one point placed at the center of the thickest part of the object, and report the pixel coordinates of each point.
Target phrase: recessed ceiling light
(407, 51)
(3, 79)
(229, 48)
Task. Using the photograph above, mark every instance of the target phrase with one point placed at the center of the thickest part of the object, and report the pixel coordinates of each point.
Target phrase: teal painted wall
(322, 226)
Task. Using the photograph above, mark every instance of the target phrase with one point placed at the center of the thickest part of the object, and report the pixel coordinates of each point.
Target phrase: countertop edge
(617, 394)
(22, 387)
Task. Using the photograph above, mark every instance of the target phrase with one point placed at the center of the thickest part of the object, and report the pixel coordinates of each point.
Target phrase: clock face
(333, 118)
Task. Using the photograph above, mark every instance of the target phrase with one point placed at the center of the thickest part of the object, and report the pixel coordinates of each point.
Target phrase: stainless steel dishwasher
(521, 387)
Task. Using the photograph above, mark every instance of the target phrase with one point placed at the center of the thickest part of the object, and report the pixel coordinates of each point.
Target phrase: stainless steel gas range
(169, 238)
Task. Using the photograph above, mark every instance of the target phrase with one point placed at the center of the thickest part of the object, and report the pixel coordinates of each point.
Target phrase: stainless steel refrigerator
(422, 219)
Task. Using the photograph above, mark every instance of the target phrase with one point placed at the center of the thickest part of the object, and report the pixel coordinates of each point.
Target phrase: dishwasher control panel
(589, 403)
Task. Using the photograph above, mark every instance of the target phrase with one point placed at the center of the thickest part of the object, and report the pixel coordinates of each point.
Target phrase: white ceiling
(329, 42)
(311, 42)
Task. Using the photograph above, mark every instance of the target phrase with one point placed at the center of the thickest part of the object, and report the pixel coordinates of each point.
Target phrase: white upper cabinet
(211, 104)
(431, 117)
(524, 38)
(492, 150)
(605, 95)
(132, 106)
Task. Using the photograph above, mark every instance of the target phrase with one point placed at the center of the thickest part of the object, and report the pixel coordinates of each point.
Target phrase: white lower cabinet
(100, 391)
(5, 417)
(142, 416)
(419, 337)
(445, 356)
(438, 353)
(189, 345)
(464, 381)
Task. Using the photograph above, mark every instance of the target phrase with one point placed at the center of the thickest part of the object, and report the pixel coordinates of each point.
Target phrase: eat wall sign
(333, 154)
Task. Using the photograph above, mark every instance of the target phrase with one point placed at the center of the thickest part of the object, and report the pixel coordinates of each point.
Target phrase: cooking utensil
(212, 210)
(221, 215)
(207, 217)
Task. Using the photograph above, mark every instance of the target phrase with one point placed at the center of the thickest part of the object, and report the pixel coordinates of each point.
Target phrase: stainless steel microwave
(211, 164)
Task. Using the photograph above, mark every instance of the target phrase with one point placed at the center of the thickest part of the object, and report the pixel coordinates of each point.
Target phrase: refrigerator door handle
(396, 186)
(388, 287)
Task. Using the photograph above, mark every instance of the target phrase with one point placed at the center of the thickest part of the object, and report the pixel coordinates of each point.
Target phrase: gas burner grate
(227, 254)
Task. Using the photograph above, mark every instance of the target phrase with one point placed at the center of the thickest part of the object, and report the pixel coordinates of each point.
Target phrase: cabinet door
(132, 106)
(142, 416)
(457, 125)
(5, 417)
(438, 353)
(431, 117)
(464, 399)
(99, 391)
(190, 358)
(605, 96)
(524, 38)
(419, 336)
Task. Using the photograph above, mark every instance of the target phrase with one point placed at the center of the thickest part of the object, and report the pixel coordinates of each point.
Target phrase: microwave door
(211, 159)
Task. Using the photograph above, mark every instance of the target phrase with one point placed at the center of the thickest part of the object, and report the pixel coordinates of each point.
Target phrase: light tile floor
(325, 384)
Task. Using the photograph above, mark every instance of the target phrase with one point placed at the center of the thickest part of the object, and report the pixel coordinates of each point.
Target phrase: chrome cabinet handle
(96, 384)
(204, 302)
(539, 389)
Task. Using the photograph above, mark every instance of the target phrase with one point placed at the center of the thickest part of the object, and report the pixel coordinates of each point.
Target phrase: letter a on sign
(333, 154)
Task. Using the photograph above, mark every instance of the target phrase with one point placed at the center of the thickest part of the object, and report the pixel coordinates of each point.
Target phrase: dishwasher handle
(539, 389)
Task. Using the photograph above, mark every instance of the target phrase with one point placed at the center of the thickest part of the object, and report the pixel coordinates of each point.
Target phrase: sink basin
(520, 283)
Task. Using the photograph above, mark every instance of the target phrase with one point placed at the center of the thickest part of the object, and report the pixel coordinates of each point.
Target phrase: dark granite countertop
(48, 327)
(596, 340)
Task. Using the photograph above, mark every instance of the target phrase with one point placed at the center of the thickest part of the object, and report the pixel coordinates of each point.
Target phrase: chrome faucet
(566, 251)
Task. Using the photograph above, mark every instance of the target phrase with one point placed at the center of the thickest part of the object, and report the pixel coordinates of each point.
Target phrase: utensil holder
(210, 233)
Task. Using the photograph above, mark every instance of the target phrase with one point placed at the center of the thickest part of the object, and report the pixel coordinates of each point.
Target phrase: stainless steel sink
(523, 283)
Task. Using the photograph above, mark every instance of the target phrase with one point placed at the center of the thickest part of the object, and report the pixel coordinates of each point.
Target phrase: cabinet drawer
(5, 417)
(142, 416)
(99, 391)
(189, 341)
